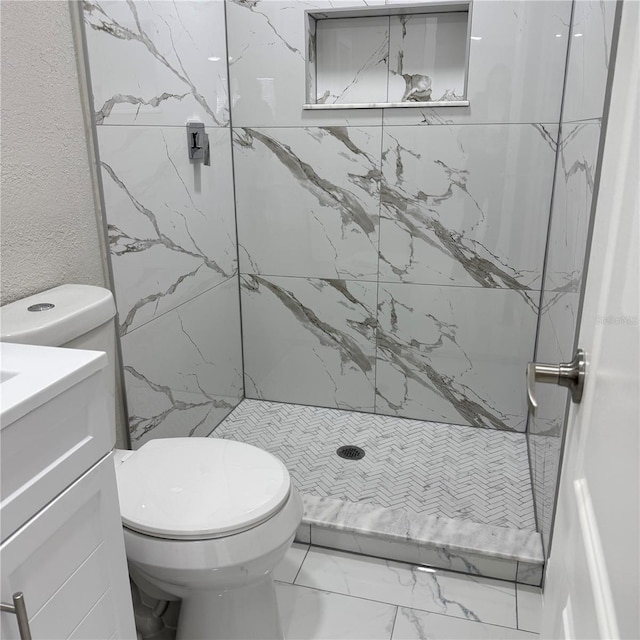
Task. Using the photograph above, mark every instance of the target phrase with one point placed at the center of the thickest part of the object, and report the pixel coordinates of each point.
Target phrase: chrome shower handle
(566, 374)
(19, 608)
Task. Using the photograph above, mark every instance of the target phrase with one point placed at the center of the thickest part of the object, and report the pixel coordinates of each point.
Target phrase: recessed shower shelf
(388, 57)
(389, 105)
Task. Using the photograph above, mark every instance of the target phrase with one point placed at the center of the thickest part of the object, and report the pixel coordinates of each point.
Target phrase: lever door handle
(566, 374)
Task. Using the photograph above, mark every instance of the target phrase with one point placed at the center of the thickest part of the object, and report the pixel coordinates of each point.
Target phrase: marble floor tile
(412, 624)
(457, 595)
(529, 602)
(288, 568)
(318, 615)
(443, 470)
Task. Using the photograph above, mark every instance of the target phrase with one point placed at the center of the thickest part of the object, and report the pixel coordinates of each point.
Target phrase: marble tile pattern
(454, 354)
(352, 60)
(171, 222)
(517, 57)
(321, 184)
(157, 63)
(589, 57)
(426, 468)
(466, 205)
(572, 200)
(183, 371)
(421, 588)
(333, 200)
(267, 69)
(402, 534)
(427, 57)
(309, 340)
(363, 600)
(529, 607)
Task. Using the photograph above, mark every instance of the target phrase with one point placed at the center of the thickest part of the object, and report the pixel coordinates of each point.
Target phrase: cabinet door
(69, 561)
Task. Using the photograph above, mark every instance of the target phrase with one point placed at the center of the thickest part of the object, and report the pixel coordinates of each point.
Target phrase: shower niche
(388, 56)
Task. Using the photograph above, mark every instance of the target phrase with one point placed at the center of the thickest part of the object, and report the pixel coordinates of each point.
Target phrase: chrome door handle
(19, 608)
(565, 374)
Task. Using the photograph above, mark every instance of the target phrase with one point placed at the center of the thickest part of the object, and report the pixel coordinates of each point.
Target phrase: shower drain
(350, 452)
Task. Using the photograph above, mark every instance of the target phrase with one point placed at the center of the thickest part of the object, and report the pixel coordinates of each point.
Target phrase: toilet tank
(75, 316)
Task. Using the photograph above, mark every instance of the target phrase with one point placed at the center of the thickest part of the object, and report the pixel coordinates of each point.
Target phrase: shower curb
(445, 543)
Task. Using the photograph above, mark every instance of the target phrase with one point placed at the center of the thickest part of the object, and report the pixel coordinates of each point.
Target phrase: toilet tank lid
(77, 309)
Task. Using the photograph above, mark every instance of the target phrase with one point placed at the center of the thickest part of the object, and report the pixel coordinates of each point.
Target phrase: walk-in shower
(347, 270)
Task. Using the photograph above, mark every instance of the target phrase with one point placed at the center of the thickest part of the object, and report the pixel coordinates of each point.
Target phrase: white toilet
(205, 520)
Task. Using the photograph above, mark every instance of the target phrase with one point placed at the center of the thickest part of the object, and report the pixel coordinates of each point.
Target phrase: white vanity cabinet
(62, 542)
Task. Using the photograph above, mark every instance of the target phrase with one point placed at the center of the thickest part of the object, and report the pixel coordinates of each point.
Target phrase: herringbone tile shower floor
(426, 467)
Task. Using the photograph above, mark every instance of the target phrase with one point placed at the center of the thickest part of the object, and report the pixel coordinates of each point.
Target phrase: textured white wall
(49, 233)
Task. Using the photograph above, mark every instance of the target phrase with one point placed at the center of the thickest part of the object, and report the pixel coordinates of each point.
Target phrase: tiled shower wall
(391, 261)
(587, 71)
(155, 65)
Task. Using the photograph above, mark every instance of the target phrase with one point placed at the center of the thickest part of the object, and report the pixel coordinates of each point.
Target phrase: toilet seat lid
(196, 488)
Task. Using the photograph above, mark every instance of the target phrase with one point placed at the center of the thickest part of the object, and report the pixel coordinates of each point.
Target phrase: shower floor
(413, 471)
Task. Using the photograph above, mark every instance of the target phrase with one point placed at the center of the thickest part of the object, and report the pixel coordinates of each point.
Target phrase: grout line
(370, 113)
(302, 563)
(164, 313)
(517, 613)
(395, 618)
(235, 202)
(398, 606)
(392, 282)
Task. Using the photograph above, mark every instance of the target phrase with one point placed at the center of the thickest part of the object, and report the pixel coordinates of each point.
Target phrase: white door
(591, 587)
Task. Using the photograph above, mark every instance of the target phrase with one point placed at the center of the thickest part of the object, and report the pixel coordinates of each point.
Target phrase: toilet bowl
(205, 520)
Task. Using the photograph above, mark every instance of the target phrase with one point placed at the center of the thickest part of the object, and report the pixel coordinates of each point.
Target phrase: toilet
(205, 520)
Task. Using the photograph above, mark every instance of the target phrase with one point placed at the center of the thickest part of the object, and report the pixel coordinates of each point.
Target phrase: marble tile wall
(154, 66)
(393, 264)
(582, 113)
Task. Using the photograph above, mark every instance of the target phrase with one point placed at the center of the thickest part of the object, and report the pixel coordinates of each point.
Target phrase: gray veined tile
(352, 60)
(287, 569)
(530, 574)
(412, 624)
(267, 66)
(572, 198)
(529, 608)
(308, 200)
(158, 63)
(427, 72)
(466, 205)
(309, 614)
(309, 341)
(457, 595)
(171, 223)
(589, 56)
(412, 470)
(183, 371)
(454, 354)
(516, 67)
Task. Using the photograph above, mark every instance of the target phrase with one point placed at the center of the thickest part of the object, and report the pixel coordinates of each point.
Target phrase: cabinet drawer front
(67, 558)
(42, 455)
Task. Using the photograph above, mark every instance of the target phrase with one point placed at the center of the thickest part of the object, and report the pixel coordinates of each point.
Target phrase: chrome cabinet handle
(566, 374)
(19, 608)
